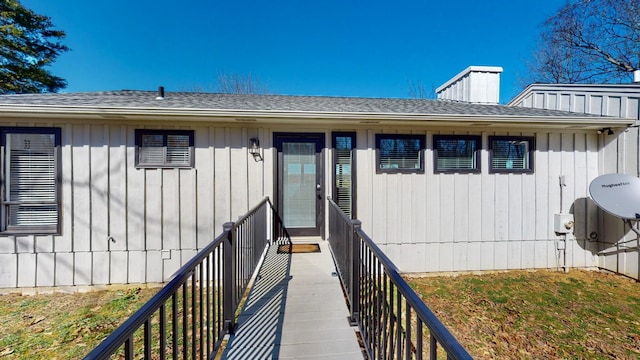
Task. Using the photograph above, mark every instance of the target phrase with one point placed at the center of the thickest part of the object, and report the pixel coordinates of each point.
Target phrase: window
(30, 180)
(164, 148)
(344, 175)
(511, 154)
(399, 153)
(457, 153)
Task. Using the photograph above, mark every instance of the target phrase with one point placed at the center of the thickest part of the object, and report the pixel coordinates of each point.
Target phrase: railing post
(354, 244)
(229, 275)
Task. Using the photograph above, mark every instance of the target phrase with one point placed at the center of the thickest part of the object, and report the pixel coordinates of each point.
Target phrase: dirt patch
(538, 315)
(63, 326)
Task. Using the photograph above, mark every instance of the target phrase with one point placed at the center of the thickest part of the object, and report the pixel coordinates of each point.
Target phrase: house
(618, 150)
(125, 186)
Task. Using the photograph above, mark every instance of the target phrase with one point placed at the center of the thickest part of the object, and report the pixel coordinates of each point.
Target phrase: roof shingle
(131, 99)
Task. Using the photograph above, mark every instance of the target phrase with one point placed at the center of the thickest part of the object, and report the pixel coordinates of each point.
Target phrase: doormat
(298, 248)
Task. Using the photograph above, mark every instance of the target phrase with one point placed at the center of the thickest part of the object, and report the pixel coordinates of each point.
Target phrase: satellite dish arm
(628, 221)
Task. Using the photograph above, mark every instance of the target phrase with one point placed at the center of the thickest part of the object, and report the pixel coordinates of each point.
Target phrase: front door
(299, 182)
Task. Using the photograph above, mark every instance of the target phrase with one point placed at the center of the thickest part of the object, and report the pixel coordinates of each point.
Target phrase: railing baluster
(399, 324)
(128, 348)
(174, 324)
(147, 340)
(194, 316)
(201, 305)
(185, 321)
(208, 320)
(229, 278)
(407, 327)
(163, 332)
(392, 319)
(377, 307)
(386, 316)
(419, 332)
(354, 276)
(433, 347)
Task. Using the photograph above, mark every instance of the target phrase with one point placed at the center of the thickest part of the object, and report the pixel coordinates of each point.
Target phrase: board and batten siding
(123, 225)
(468, 222)
(617, 244)
(126, 225)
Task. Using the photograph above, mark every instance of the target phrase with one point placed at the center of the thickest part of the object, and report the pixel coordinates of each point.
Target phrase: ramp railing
(189, 317)
(393, 321)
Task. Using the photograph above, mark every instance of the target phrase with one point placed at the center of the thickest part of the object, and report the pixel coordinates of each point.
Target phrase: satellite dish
(617, 194)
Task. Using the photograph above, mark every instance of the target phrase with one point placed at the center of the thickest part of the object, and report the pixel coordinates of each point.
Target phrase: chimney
(160, 93)
(475, 84)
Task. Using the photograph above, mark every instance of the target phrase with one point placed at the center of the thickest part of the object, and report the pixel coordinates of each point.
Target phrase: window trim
(422, 140)
(164, 133)
(532, 146)
(5, 228)
(476, 170)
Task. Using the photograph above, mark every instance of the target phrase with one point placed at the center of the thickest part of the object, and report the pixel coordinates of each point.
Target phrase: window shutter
(31, 174)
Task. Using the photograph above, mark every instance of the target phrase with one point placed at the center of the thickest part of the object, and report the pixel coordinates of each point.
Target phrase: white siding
(127, 225)
(484, 221)
(604, 237)
(118, 221)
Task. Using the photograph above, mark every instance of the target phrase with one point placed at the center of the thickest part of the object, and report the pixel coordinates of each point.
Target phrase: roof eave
(287, 117)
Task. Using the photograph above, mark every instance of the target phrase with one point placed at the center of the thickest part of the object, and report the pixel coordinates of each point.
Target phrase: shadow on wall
(586, 230)
(606, 236)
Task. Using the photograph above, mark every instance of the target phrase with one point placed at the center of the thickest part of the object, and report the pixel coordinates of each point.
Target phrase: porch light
(608, 130)
(254, 149)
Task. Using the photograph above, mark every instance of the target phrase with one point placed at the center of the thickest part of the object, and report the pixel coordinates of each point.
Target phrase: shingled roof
(284, 109)
(128, 99)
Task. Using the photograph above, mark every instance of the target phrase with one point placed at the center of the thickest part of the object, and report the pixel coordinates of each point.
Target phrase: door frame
(319, 139)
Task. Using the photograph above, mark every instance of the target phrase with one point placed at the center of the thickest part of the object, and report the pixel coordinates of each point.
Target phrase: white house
(125, 186)
(618, 151)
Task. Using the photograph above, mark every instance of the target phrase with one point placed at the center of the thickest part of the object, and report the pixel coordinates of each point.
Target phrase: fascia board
(209, 115)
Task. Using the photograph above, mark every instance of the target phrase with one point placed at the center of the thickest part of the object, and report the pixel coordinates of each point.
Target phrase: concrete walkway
(295, 310)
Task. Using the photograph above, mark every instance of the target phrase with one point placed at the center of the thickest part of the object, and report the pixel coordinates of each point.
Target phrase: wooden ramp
(295, 309)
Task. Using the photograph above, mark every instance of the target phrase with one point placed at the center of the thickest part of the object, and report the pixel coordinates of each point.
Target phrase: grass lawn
(63, 326)
(538, 315)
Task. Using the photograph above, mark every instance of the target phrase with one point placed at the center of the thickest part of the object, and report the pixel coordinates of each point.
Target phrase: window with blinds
(344, 174)
(31, 180)
(164, 148)
(511, 154)
(457, 153)
(399, 153)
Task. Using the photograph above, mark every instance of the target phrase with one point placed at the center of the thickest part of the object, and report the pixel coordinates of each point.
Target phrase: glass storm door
(300, 186)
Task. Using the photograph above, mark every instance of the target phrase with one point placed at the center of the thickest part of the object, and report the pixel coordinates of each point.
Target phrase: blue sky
(329, 47)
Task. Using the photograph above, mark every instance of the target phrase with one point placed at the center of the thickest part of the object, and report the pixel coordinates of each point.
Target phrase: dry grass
(512, 315)
(538, 315)
(63, 326)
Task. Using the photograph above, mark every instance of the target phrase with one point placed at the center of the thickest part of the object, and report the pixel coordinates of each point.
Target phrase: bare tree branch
(417, 90)
(589, 41)
(239, 84)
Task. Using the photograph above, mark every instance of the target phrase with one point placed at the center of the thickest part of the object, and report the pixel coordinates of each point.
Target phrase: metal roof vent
(636, 76)
(160, 93)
